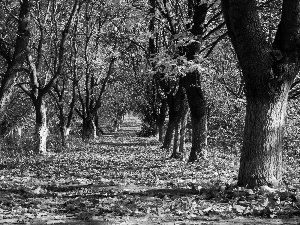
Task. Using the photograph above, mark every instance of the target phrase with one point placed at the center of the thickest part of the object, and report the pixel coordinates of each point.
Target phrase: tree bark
(197, 103)
(64, 128)
(183, 130)
(88, 129)
(170, 129)
(192, 83)
(161, 119)
(99, 132)
(64, 133)
(41, 128)
(180, 125)
(178, 108)
(261, 156)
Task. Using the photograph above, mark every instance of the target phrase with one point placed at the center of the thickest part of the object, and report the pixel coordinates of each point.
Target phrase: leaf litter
(123, 179)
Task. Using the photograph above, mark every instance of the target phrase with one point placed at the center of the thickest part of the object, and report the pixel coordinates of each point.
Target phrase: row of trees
(268, 59)
(68, 53)
(84, 59)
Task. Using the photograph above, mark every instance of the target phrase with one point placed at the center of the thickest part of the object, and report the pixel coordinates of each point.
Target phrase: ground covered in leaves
(125, 179)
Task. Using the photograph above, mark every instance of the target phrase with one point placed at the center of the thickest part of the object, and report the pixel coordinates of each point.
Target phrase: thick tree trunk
(261, 156)
(197, 105)
(268, 71)
(41, 128)
(88, 129)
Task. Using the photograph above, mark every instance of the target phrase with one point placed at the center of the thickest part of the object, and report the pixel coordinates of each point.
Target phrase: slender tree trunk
(180, 125)
(183, 131)
(170, 130)
(197, 105)
(197, 13)
(97, 127)
(179, 106)
(64, 132)
(62, 127)
(41, 128)
(161, 119)
(176, 154)
(175, 108)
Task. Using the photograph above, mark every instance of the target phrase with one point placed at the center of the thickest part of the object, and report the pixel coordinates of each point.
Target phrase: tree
(14, 56)
(35, 89)
(268, 71)
(154, 108)
(65, 101)
(192, 84)
(186, 26)
(178, 111)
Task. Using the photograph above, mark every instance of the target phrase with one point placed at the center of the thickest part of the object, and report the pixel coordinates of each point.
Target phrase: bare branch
(24, 89)
(213, 45)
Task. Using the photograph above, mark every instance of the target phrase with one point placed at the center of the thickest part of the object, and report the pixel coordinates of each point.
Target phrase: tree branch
(25, 89)
(61, 51)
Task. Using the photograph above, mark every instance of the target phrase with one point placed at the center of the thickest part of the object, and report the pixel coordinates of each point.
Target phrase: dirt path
(124, 179)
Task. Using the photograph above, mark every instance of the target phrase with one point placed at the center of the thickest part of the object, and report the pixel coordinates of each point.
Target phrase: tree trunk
(176, 154)
(261, 156)
(197, 105)
(183, 130)
(197, 12)
(161, 119)
(41, 128)
(99, 132)
(88, 129)
(179, 107)
(175, 102)
(268, 71)
(170, 130)
(180, 125)
(64, 133)
(62, 127)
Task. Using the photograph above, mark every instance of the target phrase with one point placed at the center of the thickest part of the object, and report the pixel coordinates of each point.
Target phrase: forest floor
(124, 179)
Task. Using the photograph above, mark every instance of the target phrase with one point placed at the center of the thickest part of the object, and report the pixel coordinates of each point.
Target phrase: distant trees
(269, 68)
(102, 41)
(74, 57)
(176, 55)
